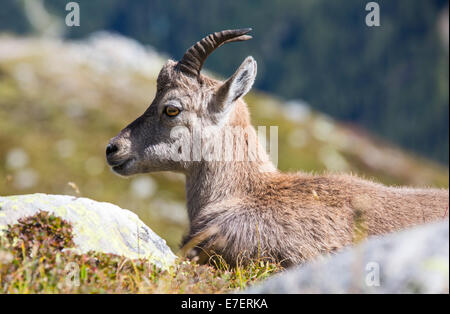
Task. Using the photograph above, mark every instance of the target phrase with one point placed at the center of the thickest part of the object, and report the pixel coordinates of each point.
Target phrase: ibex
(242, 209)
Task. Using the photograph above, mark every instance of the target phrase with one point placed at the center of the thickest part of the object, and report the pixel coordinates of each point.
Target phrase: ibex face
(185, 100)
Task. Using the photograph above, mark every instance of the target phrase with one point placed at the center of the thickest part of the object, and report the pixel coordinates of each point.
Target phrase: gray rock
(411, 261)
(97, 226)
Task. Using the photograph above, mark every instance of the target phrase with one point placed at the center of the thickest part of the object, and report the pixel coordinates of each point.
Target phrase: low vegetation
(37, 256)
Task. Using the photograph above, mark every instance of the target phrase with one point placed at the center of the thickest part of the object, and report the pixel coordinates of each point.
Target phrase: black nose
(111, 149)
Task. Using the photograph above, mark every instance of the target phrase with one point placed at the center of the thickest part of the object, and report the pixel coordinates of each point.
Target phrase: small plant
(35, 257)
(43, 232)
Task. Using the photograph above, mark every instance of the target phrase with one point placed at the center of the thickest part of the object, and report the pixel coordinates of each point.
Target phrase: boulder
(97, 226)
(411, 261)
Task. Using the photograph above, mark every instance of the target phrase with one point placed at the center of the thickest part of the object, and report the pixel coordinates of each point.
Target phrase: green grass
(36, 257)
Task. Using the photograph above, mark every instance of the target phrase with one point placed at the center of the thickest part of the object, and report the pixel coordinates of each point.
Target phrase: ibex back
(244, 208)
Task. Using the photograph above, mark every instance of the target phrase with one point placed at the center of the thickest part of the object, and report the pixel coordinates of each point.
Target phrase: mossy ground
(36, 257)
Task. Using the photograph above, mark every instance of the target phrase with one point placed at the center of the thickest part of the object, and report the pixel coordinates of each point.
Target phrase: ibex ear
(236, 86)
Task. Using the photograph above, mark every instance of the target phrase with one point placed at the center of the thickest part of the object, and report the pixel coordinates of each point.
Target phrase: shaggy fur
(293, 217)
(247, 209)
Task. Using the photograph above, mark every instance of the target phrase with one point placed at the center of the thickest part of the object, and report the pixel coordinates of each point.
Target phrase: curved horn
(193, 59)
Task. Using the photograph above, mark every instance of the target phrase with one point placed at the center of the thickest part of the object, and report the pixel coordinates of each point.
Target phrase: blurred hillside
(392, 80)
(61, 101)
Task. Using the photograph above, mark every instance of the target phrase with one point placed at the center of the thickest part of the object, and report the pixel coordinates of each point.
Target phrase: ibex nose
(111, 149)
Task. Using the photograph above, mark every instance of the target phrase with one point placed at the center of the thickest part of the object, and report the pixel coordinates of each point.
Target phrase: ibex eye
(171, 111)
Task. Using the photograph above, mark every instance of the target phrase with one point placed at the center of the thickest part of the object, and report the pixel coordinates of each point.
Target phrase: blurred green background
(346, 97)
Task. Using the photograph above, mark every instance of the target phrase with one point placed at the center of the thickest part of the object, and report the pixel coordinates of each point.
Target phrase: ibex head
(184, 98)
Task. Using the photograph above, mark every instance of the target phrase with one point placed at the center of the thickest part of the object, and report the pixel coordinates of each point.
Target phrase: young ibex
(245, 209)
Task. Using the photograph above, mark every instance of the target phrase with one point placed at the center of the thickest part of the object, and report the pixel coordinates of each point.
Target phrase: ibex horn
(193, 59)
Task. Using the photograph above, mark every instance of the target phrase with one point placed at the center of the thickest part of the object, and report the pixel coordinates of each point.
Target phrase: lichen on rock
(97, 226)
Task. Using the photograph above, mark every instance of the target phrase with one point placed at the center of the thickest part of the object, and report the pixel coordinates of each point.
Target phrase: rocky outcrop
(411, 261)
(97, 226)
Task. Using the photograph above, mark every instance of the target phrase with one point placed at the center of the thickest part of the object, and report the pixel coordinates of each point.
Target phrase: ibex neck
(216, 181)
(212, 182)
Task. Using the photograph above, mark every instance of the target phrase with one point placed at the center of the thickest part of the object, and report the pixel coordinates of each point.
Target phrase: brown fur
(295, 217)
(241, 212)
